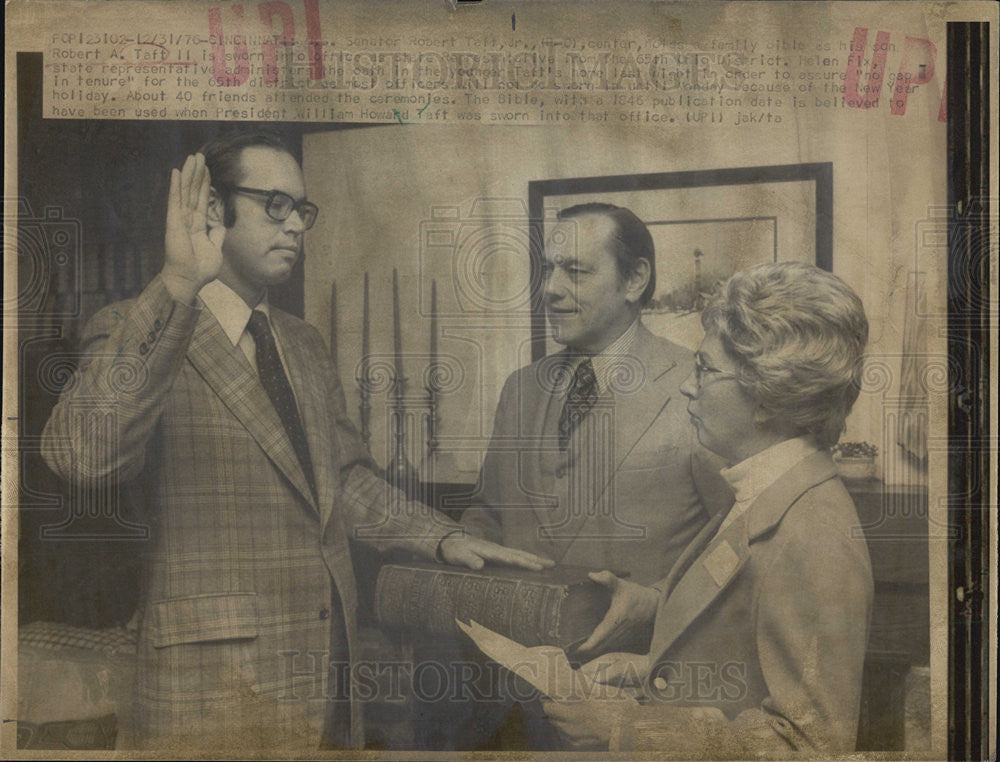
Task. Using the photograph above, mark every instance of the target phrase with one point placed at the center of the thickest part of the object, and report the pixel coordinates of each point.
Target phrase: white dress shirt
(233, 315)
(606, 362)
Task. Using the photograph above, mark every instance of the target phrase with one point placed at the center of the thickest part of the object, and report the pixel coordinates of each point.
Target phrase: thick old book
(555, 607)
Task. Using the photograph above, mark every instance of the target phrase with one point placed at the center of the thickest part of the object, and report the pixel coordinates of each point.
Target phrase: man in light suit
(228, 419)
(592, 461)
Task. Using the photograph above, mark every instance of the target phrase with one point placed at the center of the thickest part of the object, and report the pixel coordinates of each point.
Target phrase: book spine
(429, 601)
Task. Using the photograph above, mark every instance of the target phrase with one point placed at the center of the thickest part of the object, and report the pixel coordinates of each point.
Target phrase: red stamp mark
(231, 55)
(916, 67)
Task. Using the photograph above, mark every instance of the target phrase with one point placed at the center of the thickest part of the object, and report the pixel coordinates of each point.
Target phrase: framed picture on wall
(706, 225)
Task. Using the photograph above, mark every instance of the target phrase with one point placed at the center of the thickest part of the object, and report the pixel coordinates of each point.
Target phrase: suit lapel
(226, 370)
(770, 507)
(539, 416)
(710, 564)
(635, 412)
(700, 575)
(692, 551)
(309, 385)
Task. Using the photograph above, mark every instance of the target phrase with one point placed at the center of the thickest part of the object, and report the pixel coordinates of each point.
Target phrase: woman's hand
(588, 724)
(632, 607)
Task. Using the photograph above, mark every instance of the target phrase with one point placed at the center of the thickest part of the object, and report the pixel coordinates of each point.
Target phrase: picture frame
(706, 225)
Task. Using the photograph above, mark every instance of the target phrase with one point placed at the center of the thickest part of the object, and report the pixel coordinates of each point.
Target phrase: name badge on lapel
(721, 563)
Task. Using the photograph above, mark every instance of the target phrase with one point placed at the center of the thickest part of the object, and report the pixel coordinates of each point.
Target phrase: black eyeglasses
(703, 369)
(279, 205)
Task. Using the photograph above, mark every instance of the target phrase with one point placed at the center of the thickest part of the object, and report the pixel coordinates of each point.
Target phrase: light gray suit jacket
(760, 637)
(631, 490)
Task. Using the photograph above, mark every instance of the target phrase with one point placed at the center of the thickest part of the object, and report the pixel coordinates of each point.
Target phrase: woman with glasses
(760, 634)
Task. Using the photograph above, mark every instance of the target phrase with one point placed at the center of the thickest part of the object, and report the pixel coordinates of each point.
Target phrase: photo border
(971, 497)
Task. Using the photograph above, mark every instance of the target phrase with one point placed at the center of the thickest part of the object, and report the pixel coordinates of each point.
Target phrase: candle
(432, 380)
(333, 322)
(365, 339)
(397, 335)
(365, 407)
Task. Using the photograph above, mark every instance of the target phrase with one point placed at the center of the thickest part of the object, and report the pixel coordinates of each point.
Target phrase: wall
(377, 186)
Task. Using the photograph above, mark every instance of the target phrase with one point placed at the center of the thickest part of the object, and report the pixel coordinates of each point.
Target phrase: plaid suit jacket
(249, 591)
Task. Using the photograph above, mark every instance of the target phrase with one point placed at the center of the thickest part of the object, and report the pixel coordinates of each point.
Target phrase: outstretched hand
(588, 724)
(192, 256)
(632, 607)
(460, 549)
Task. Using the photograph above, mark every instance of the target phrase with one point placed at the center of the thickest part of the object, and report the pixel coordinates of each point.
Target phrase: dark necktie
(579, 400)
(275, 382)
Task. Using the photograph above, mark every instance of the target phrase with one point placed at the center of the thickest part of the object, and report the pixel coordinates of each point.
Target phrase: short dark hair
(222, 158)
(631, 240)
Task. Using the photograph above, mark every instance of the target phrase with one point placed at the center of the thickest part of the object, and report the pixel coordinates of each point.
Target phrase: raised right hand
(192, 257)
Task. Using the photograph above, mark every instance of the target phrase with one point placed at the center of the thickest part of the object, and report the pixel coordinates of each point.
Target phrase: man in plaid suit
(228, 419)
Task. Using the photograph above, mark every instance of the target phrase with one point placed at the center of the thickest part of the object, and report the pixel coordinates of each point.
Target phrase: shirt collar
(229, 308)
(606, 361)
(749, 478)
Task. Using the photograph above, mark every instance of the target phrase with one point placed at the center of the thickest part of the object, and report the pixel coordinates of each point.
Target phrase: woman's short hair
(799, 334)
